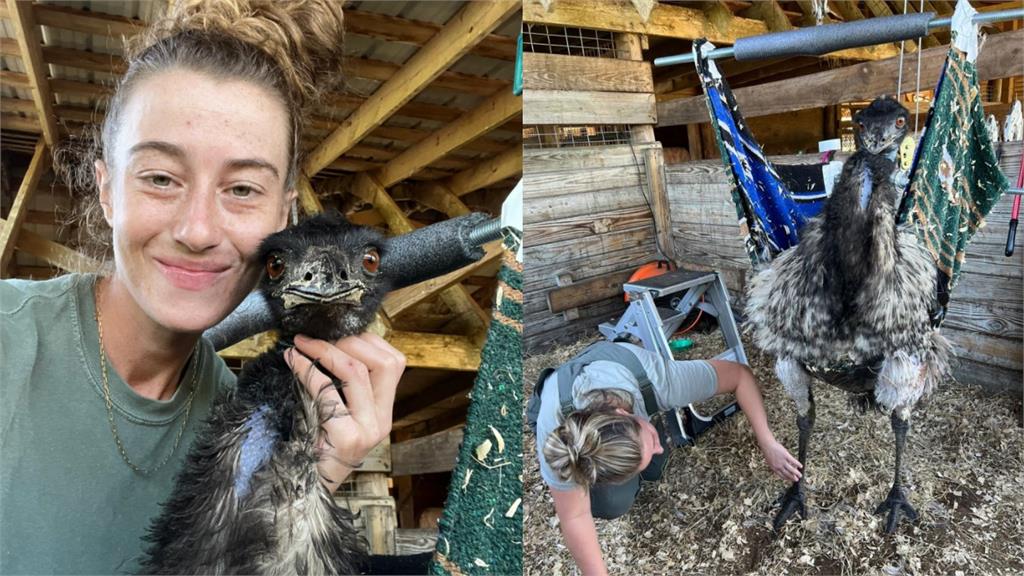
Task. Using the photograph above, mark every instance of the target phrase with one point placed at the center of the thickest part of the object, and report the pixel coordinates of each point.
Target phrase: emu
(854, 303)
(249, 499)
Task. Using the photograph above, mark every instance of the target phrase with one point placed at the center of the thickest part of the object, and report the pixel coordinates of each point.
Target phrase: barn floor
(711, 513)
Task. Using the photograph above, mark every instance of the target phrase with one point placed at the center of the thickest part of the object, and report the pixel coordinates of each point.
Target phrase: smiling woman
(105, 377)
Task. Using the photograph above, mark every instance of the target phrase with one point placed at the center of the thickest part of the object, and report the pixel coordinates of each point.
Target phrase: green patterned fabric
(481, 531)
(956, 179)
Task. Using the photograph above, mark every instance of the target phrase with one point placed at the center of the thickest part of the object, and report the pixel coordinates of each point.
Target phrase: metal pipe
(985, 18)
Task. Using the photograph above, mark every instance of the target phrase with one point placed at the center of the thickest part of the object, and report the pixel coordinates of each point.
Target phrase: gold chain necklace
(110, 404)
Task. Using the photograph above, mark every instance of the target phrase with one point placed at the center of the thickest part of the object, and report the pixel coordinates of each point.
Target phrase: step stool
(653, 326)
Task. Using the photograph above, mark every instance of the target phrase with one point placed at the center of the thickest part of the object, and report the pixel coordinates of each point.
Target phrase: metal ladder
(653, 326)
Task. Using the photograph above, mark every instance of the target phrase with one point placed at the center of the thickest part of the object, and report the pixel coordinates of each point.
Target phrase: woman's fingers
(353, 374)
(386, 365)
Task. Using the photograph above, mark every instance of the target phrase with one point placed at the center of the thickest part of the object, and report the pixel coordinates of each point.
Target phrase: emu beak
(320, 283)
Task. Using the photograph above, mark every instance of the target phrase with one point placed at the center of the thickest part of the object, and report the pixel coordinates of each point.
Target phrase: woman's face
(650, 442)
(196, 182)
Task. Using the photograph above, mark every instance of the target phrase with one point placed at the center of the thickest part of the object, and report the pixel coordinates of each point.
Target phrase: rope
(917, 85)
(899, 77)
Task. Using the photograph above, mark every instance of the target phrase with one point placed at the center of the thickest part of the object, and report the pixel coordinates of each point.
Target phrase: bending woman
(595, 440)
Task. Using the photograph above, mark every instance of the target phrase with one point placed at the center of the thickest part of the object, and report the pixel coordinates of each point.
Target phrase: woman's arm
(578, 530)
(734, 378)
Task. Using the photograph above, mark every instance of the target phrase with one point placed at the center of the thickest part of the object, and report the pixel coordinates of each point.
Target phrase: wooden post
(693, 137)
(654, 160)
(9, 233)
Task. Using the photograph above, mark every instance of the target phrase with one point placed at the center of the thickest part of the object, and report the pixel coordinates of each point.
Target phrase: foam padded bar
(827, 38)
(433, 250)
(411, 258)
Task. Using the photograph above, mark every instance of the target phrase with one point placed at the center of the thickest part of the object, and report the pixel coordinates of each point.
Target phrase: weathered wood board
(588, 214)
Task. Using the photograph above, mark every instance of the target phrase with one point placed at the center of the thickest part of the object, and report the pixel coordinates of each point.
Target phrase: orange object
(650, 270)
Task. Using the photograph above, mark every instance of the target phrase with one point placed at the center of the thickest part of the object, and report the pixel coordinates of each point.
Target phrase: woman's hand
(781, 461)
(369, 369)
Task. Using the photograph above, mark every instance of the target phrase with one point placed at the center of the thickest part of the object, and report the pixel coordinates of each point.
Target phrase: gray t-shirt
(676, 384)
(68, 503)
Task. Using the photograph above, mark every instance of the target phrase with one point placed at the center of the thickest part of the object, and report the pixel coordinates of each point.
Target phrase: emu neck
(148, 357)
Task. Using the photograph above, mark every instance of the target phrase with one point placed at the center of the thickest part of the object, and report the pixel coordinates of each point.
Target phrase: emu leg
(792, 501)
(896, 503)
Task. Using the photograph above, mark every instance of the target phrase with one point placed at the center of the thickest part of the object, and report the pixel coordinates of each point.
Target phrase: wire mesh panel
(548, 136)
(544, 39)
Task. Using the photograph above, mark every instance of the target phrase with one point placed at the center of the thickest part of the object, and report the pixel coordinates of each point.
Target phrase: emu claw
(897, 505)
(792, 500)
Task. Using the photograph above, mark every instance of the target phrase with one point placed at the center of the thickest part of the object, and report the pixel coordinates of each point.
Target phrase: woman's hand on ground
(782, 463)
(359, 418)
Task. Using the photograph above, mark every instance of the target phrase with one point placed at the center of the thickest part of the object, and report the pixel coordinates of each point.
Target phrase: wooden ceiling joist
(442, 351)
(418, 33)
(494, 112)
(76, 20)
(30, 44)
(16, 215)
(403, 299)
(466, 29)
(505, 165)
(53, 253)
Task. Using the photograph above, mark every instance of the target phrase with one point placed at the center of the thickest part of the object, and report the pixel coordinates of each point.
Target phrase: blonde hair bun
(303, 37)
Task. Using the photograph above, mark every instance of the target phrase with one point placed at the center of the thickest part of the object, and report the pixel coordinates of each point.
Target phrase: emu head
(323, 277)
(881, 126)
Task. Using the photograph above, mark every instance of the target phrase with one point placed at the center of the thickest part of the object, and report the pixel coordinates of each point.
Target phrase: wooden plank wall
(986, 315)
(586, 215)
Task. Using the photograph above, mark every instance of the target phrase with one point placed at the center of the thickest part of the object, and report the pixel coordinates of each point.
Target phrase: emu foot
(792, 500)
(898, 506)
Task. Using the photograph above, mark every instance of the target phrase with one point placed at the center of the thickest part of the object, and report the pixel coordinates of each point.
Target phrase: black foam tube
(420, 255)
(819, 40)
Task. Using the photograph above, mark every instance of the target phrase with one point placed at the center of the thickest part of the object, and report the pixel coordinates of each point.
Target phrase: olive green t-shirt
(68, 502)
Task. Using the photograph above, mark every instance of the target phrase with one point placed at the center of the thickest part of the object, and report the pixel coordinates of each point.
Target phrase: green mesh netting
(481, 531)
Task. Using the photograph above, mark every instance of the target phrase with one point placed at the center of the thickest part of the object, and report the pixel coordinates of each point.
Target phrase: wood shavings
(498, 439)
(465, 479)
(488, 520)
(512, 509)
(480, 563)
(482, 450)
(715, 499)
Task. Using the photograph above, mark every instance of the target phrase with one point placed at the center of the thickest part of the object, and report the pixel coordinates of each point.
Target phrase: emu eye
(900, 122)
(275, 266)
(860, 125)
(371, 260)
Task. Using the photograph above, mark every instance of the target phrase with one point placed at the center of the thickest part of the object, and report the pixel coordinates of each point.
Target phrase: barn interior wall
(587, 216)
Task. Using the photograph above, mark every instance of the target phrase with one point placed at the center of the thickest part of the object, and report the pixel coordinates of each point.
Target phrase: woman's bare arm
(735, 378)
(578, 530)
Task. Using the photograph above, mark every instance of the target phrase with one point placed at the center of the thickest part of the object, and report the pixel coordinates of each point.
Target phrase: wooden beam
(558, 72)
(402, 299)
(492, 113)
(426, 455)
(505, 165)
(307, 196)
(451, 81)
(89, 22)
(16, 215)
(53, 253)
(418, 33)
(440, 198)
(442, 351)
(30, 43)
(654, 162)
(443, 396)
(1002, 57)
(665, 20)
(583, 108)
(466, 29)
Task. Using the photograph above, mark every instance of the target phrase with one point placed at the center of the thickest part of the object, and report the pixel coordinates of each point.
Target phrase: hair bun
(303, 37)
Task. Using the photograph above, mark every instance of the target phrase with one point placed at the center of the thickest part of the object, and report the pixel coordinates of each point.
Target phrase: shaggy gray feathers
(856, 289)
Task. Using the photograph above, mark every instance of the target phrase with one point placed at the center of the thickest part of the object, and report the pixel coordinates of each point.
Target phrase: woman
(595, 440)
(106, 378)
